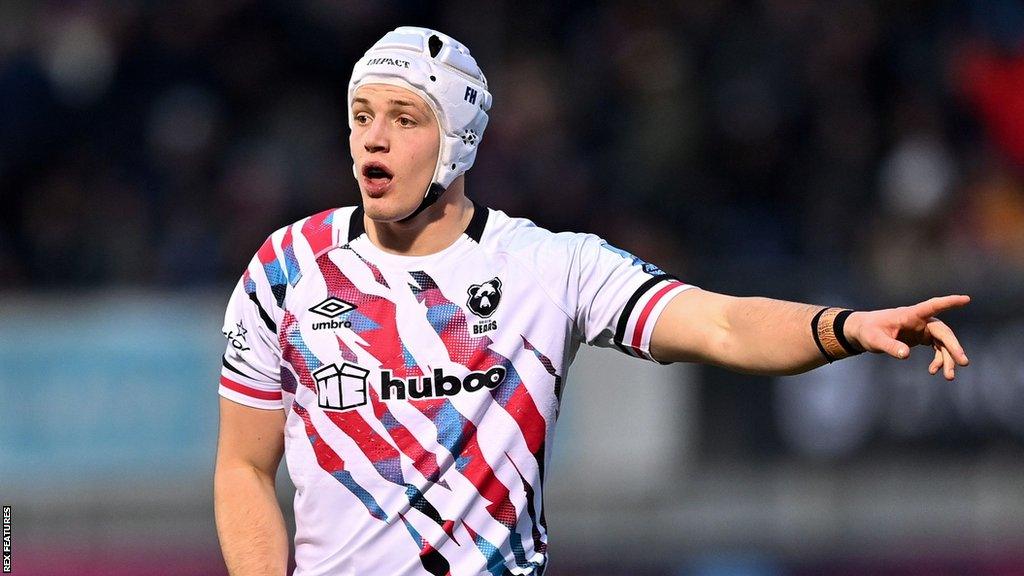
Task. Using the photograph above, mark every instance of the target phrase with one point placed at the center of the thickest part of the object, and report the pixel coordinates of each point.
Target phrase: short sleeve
(251, 373)
(619, 296)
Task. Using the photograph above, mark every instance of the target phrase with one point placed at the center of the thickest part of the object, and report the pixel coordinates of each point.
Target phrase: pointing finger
(939, 304)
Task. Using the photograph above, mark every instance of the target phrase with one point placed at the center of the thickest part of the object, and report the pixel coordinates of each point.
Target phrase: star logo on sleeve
(241, 331)
(237, 338)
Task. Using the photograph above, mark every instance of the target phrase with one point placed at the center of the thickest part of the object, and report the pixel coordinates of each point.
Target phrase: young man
(407, 355)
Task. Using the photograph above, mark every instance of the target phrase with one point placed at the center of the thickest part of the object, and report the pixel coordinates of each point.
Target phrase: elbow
(723, 348)
(729, 351)
(724, 344)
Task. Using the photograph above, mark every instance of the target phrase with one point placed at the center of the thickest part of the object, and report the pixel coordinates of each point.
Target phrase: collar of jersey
(473, 232)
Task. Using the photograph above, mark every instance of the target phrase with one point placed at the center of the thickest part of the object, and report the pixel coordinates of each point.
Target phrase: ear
(473, 289)
(497, 282)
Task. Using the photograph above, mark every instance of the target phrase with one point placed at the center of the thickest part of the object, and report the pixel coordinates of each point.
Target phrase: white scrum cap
(441, 70)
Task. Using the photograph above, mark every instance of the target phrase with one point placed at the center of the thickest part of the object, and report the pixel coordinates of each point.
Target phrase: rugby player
(407, 355)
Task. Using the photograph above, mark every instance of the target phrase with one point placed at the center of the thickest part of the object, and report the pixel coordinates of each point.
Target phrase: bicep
(250, 437)
(692, 327)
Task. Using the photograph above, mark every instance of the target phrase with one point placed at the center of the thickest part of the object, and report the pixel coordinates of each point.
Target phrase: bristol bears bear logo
(484, 298)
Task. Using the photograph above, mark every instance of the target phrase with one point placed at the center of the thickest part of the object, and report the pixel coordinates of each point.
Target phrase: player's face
(394, 143)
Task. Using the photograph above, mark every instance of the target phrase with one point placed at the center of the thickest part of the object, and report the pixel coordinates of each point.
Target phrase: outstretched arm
(765, 336)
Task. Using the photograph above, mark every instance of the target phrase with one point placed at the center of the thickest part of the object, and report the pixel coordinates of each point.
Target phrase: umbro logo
(333, 307)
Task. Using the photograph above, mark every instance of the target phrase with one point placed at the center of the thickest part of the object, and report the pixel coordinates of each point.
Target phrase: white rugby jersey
(421, 392)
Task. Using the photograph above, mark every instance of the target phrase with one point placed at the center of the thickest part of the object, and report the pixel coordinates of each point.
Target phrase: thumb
(897, 349)
(880, 342)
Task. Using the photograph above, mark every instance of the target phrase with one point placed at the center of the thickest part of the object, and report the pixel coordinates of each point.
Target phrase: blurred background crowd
(154, 144)
(850, 152)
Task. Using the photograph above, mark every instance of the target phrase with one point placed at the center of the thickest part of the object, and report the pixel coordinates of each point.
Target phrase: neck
(430, 231)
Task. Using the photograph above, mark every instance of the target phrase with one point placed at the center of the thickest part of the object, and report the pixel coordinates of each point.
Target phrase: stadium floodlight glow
(441, 71)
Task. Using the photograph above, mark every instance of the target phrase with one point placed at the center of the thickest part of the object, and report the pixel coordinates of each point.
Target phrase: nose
(375, 138)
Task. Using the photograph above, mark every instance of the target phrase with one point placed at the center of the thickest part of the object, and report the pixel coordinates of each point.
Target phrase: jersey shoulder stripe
(248, 390)
(635, 326)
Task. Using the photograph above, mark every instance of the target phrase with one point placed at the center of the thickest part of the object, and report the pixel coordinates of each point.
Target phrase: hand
(895, 330)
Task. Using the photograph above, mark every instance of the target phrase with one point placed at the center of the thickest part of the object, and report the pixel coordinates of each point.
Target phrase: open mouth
(375, 171)
(376, 179)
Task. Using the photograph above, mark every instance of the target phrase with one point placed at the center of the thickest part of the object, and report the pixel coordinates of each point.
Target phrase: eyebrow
(390, 101)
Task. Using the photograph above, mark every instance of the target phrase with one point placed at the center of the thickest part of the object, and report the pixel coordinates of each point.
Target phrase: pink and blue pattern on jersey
(449, 322)
(272, 268)
(455, 432)
(384, 458)
(538, 540)
(430, 558)
(248, 283)
(250, 290)
(495, 560)
(423, 460)
(474, 353)
(318, 231)
(377, 276)
(374, 319)
(332, 463)
(291, 262)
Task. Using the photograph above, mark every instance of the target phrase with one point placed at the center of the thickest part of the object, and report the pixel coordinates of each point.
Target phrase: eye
(361, 118)
(405, 121)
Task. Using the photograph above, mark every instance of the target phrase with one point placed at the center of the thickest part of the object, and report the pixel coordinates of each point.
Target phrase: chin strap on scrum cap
(441, 71)
(434, 193)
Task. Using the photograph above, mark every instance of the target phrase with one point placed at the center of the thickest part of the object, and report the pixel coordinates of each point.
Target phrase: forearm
(250, 524)
(766, 336)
